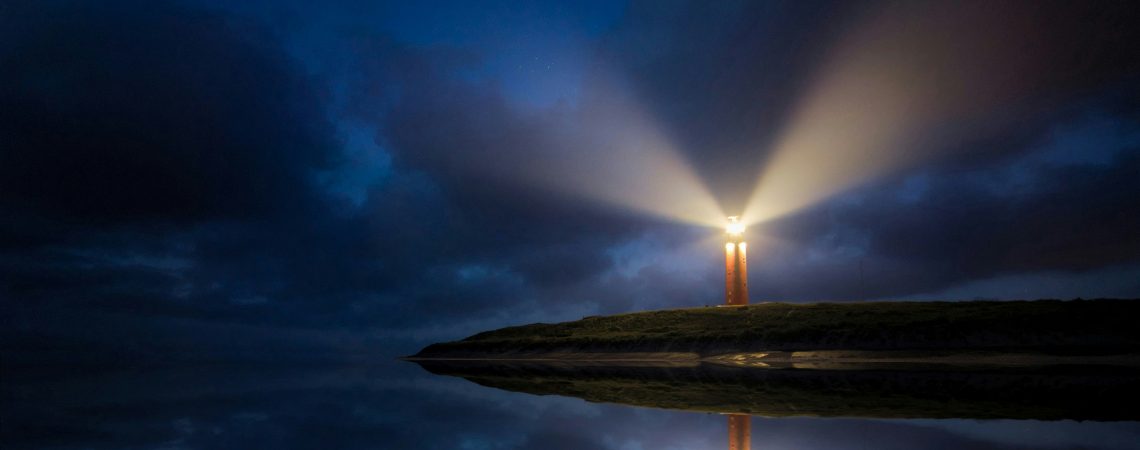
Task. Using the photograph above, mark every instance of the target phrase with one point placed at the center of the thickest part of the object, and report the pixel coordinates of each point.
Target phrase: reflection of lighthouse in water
(739, 432)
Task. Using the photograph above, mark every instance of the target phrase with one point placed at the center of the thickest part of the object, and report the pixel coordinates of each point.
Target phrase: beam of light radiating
(615, 154)
(634, 167)
(910, 73)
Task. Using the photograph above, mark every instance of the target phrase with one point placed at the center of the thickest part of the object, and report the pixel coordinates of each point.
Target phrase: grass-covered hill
(1079, 327)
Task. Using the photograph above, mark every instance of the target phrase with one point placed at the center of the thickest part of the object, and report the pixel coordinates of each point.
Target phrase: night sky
(282, 179)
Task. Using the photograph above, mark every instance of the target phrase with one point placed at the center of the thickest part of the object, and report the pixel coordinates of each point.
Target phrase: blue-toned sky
(282, 179)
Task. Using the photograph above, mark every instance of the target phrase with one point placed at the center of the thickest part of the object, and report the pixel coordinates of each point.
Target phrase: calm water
(399, 405)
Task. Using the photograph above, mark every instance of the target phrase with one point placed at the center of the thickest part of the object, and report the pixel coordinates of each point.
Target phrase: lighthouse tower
(735, 264)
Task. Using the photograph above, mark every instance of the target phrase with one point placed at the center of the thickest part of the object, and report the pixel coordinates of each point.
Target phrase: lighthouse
(735, 264)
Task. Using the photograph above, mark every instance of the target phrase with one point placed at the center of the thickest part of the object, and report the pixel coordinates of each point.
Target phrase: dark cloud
(928, 231)
(138, 112)
(132, 134)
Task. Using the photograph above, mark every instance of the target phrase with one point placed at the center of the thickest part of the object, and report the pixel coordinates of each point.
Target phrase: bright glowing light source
(735, 227)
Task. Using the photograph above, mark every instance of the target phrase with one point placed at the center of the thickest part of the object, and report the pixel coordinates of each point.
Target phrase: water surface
(394, 404)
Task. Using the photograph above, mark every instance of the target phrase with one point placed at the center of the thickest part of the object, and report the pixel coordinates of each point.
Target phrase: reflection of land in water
(894, 391)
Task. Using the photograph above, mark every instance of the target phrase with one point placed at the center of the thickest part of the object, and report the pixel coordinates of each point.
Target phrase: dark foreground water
(400, 405)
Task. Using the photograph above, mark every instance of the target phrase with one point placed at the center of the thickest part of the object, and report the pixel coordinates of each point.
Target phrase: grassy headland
(1052, 327)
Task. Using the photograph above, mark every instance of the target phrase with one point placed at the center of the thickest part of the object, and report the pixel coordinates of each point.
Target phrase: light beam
(894, 91)
(616, 154)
